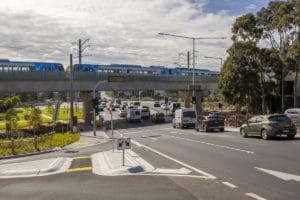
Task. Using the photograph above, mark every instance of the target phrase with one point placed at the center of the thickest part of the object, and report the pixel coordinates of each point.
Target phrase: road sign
(110, 109)
(123, 143)
(116, 79)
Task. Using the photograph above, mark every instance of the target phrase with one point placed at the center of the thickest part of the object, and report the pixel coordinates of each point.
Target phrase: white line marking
(173, 159)
(211, 144)
(142, 131)
(230, 185)
(255, 196)
(152, 138)
(182, 170)
(281, 175)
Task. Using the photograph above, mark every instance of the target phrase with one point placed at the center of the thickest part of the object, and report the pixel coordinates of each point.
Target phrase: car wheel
(174, 126)
(243, 133)
(222, 129)
(264, 134)
(197, 129)
(291, 136)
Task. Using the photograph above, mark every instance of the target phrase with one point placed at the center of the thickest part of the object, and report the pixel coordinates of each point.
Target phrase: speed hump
(123, 143)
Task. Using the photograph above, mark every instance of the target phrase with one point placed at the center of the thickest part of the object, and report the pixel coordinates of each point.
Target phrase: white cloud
(251, 7)
(120, 31)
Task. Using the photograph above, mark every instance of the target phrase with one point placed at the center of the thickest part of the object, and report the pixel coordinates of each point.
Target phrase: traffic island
(35, 168)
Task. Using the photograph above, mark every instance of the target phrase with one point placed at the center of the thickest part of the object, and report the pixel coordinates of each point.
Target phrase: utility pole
(79, 52)
(71, 94)
(81, 49)
(188, 59)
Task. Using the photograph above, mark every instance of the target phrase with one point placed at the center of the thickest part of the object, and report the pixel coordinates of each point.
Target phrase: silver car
(267, 126)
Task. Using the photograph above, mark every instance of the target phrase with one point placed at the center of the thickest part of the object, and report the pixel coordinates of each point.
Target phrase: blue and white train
(11, 66)
(137, 69)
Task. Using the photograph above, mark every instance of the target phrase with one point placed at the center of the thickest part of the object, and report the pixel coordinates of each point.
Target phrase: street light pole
(219, 58)
(94, 111)
(194, 69)
(194, 39)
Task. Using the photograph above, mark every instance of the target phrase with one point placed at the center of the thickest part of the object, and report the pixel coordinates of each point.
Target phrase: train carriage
(12, 66)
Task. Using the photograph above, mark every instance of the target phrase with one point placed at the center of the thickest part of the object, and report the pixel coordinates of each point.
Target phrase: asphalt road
(240, 166)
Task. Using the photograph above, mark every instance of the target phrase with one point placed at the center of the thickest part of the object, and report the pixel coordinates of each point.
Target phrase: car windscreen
(279, 118)
(191, 114)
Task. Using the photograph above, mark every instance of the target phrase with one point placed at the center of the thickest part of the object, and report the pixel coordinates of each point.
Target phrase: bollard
(13, 146)
(36, 143)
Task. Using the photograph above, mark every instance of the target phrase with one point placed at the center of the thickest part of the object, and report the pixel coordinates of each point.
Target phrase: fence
(236, 120)
(28, 145)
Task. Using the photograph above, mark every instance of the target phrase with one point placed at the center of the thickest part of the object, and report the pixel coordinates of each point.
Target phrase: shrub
(44, 143)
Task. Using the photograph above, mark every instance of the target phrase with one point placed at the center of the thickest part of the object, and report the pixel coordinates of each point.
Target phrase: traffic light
(97, 110)
(95, 103)
(193, 99)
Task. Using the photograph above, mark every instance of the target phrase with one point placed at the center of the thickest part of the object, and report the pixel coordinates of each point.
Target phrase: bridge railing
(87, 76)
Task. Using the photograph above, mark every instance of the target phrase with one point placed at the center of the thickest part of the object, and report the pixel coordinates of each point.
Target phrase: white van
(133, 114)
(185, 117)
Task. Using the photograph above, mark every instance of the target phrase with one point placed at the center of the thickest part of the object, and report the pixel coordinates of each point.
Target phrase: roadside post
(111, 126)
(122, 144)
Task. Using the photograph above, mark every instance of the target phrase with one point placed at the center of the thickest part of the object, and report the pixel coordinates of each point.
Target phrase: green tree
(294, 50)
(12, 102)
(35, 118)
(276, 21)
(11, 118)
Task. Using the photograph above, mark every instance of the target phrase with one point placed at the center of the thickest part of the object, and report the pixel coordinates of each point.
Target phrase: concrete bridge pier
(199, 96)
(87, 98)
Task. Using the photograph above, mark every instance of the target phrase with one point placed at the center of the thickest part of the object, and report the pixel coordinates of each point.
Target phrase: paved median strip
(77, 164)
(80, 169)
(81, 157)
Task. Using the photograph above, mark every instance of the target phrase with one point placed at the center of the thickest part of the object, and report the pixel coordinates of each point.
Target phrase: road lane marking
(230, 185)
(79, 169)
(143, 131)
(211, 144)
(81, 157)
(210, 176)
(255, 196)
(281, 175)
(182, 170)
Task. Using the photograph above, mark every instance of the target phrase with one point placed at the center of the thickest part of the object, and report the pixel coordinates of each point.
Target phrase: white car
(293, 114)
(133, 114)
(165, 107)
(123, 113)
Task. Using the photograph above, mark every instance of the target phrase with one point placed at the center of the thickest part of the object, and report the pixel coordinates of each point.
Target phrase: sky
(120, 31)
